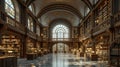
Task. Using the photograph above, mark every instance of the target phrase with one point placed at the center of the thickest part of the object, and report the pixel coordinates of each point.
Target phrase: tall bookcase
(103, 12)
(10, 45)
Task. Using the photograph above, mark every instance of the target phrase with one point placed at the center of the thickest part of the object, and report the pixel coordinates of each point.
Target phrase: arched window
(60, 31)
(32, 8)
(87, 10)
(30, 24)
(9, 8)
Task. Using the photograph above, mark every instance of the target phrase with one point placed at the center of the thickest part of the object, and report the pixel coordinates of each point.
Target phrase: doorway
(60, 48)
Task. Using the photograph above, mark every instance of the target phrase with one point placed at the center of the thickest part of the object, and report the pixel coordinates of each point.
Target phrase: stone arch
(60, 48)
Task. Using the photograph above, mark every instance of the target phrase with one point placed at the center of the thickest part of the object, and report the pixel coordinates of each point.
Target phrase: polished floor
(60, 60)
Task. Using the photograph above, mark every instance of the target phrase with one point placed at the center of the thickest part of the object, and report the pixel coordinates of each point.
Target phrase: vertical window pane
(30, 24)
(9, 8)
(38, 30)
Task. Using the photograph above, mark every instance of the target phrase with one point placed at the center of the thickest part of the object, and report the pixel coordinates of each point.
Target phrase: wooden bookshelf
(103, 12)
(10, 46)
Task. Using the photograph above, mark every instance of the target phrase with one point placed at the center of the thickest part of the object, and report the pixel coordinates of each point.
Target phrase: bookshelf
(103, 12)
(10, 46)
(31, 47)
(31, 50)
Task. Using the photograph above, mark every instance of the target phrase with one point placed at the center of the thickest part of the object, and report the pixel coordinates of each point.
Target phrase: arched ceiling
(46, 18)
(71, 10)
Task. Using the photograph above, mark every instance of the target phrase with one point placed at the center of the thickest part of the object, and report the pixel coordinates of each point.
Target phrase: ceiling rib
(59, 6)
(87, 2)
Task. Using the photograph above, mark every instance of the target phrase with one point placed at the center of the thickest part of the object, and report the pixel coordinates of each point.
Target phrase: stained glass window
(60, 31)
(9, 8)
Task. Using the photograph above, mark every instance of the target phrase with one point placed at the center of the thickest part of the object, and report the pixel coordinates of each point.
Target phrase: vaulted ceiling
(72, 10)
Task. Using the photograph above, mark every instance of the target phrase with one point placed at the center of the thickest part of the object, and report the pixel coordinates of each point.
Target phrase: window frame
(60, 31)
(30, 24)
(10, 7)
(31, 8)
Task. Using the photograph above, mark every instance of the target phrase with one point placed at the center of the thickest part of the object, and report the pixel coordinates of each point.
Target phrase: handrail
(62, 39)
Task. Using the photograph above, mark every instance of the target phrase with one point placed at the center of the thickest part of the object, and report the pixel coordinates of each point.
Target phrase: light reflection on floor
(60, 60)
(69, 60)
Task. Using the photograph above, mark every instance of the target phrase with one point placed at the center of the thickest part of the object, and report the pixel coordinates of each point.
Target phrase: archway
(60, 48)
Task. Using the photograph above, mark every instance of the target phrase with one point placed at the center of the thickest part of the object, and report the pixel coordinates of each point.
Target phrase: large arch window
(9, 8)
(60, 32)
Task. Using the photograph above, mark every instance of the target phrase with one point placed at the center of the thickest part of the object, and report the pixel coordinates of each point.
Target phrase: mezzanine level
(61, 40)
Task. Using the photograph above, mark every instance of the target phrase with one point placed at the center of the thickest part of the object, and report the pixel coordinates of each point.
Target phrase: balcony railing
(62, 39)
